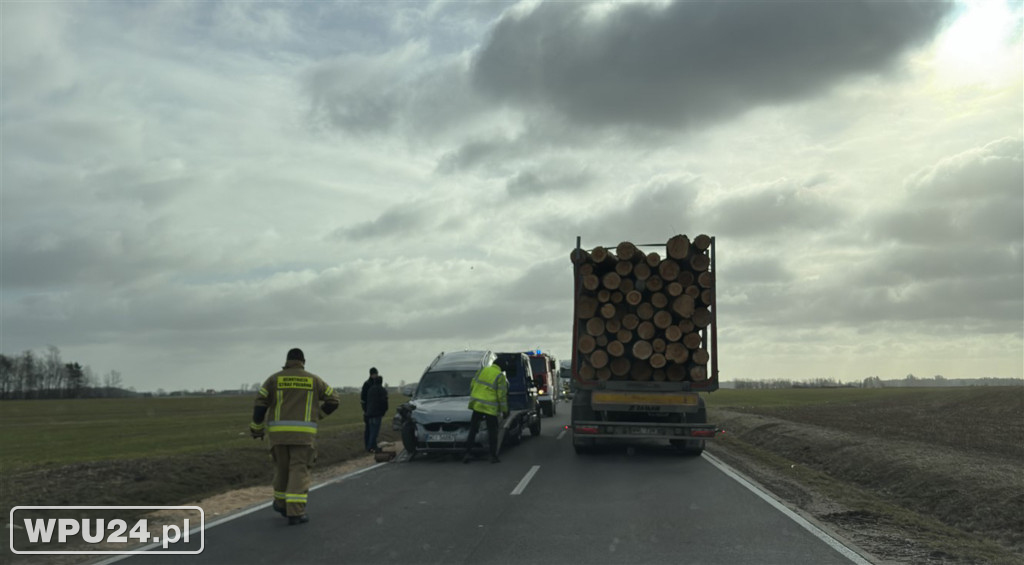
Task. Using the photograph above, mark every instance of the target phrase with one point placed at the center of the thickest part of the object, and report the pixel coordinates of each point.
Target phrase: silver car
(437, 417)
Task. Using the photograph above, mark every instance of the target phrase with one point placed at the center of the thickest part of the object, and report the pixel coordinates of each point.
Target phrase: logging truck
(645, 343)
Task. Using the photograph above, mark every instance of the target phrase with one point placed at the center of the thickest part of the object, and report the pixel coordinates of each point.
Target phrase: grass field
(53, 432)
(913, 475)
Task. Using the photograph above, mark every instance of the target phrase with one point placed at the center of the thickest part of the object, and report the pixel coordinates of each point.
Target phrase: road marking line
(562, 434)
(800, 520)
(526, 480)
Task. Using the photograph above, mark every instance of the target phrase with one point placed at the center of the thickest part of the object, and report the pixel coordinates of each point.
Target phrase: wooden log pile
(641, 316)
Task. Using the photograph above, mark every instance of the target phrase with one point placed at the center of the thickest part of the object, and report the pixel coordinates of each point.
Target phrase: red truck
(544, 377)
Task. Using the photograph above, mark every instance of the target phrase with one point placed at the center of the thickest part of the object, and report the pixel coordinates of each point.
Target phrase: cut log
(586, 344)
(624, 335)
(693, 291)
(683, 306)
(586, 372)
(586, 269)
(645, 310)
(658, 345)
(706, 279)
(623, 268)
(601, 257)
(616, 297)
(611, 280)
(604, 295)
(641, 371)
(654, 283)
(595, 326)
(657, 361)
(702, 242)
(646, 330)
(620, 367)
(673, 333)
(701, 317)
(685, 277)
(604, 374)
(686, 326)
(674, 288)
(641, 271)
(634, 297)
(677, 353)
(578, 256)
(698, 373)
(708, 297)
(678, 247)
(586, 307)
(700, 356)
(642, 349)
(693, 340)
(700, 262)
(676, 373)
(668, 269)
(626, 285)
(616, 348)
(599, 358)
(591, 282)
(608, 311)
(662, 319)
(653, 260)
(658, 375)
(626, 251)
(630, 321)
(601, 340)
(613, 325)
(659, 300)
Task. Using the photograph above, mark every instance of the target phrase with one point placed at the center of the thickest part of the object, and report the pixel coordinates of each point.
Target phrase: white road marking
(561, 434)
(526, 480)
(800, 520)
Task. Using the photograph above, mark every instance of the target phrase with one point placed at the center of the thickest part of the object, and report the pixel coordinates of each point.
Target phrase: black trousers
(492, 431)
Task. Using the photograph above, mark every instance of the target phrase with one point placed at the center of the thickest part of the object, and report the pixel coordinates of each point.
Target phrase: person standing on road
(291, 398)
(488, 399)
(362, 402)
(376, 407)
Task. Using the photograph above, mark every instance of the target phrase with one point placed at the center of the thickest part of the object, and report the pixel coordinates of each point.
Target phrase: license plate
(441, 437)
(647, 431)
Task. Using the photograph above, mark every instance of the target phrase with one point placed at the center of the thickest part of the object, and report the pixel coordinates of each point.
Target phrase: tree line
(31, 375)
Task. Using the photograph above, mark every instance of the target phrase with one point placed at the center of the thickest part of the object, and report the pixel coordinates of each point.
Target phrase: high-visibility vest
(489, 392)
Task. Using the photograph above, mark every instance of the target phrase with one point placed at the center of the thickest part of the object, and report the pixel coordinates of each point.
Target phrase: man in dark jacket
(376, 407)
(362, 402)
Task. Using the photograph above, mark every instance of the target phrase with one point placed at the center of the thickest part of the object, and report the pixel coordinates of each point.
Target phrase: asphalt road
(541, 504)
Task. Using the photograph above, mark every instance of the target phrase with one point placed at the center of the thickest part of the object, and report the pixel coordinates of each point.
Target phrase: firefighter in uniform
(488, 399)
(290, 400)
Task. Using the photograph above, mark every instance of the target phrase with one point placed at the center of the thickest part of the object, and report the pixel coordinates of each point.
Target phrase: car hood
(451, 409)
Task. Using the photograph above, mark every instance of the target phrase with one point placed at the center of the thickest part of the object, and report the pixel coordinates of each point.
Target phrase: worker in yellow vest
(488, 399)
(292, 397)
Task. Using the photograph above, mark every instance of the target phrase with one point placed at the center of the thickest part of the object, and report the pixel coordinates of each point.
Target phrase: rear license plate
(647, 431)
(441, 437)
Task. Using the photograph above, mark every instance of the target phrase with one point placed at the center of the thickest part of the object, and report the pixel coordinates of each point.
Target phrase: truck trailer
(645, 343)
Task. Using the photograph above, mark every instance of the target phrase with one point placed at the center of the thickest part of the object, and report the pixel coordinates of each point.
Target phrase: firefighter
(488, 399)
(292, 397)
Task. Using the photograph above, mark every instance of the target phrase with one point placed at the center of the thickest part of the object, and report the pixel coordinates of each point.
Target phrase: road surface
(541, 504)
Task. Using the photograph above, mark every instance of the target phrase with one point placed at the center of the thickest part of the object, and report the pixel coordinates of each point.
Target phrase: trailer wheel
(535, 427)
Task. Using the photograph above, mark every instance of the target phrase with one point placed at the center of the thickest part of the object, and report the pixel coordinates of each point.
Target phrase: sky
(189, 189)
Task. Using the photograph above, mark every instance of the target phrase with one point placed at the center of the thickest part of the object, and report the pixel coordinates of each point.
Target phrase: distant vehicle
(544, 369)
(438, 416)
(565, 379)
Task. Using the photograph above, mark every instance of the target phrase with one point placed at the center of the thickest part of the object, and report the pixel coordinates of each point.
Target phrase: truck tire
(548, 409)
(409, 438)
(535, 427)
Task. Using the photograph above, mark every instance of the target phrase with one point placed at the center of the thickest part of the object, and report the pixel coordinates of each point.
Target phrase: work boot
(494, 459)
(280, 510)
(295, 520)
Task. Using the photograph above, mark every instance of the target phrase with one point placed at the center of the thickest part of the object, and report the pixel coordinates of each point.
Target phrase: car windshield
(539, 365)
(442, 384)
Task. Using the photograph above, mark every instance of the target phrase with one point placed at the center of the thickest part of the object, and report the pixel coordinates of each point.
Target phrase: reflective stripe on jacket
(293, 399)
(489, 393)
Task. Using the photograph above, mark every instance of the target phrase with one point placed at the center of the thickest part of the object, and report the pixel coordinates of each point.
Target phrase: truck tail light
(703, 433)
(586, 429)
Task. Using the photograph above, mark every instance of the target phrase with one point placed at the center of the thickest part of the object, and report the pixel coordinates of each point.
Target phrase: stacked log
(643, 316)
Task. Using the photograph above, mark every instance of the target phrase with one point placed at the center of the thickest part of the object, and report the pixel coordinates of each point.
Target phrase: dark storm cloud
(398, 221)
(531, 183)
(690, 63)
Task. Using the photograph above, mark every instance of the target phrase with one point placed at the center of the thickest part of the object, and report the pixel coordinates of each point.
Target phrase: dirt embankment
(906, 483)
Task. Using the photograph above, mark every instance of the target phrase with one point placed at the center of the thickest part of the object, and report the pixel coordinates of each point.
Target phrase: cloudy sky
(191, 188)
